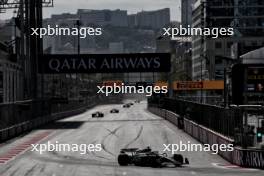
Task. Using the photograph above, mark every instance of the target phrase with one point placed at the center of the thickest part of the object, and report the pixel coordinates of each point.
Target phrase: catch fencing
(219, 119)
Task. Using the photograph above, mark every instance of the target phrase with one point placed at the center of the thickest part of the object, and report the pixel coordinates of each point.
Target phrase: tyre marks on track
(111, 133)
(96, 155)
(136, 138)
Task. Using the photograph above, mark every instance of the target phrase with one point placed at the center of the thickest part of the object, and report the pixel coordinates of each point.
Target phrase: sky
(132, 6)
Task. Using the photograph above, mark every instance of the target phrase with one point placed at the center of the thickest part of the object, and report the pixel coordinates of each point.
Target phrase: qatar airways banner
(104, 63)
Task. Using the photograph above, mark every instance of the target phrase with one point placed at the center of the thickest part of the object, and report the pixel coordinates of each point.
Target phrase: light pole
(78, 24)
(202, 57)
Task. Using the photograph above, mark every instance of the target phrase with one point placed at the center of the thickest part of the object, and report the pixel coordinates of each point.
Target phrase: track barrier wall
(248, 158)
(19, 118)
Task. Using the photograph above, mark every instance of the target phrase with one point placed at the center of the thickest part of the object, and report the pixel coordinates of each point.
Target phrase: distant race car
(137, 101)
(114, 111)
(148, 158)
(98, 114)
(131, 104)
(126, 106)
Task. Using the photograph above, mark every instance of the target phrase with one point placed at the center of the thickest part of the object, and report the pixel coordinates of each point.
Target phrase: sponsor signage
(104, 63)
(198, 85)
(161, 84)
(112, 83)
(249, 158)
(188, 85)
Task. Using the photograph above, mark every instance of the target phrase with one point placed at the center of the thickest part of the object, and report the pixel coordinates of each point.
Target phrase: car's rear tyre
(123, 159)
(178, 158)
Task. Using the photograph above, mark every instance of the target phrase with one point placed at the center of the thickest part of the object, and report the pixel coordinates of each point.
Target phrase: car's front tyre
(123, 159)
(178, 158)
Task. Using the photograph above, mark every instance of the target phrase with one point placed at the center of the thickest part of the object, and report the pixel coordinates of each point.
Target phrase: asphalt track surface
(132, 127)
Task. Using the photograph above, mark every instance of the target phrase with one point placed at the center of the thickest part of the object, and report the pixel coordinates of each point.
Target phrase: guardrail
(20, 128)
(243, 157)
(19, 117)
(19, 112)
(219, 119)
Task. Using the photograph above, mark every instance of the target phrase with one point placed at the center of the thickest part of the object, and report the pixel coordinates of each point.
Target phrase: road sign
(105, 63)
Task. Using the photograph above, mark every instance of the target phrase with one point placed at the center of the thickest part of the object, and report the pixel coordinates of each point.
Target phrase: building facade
(246, 17)
(150, 19)
(103, 17)
(183, 51)
(186, 12)
(11, 72)
(11, 82)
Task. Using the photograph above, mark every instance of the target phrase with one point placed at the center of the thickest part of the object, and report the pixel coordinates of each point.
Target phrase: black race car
(114, 111)
(126, 106)
(131, 104)
(137, 101)
(148, 158)
(98, 114)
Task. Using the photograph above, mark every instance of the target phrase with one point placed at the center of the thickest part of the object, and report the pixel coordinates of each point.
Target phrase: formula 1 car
(126, 106)
(114, 111)
(148, 158)
(137, 101)
(97, 115)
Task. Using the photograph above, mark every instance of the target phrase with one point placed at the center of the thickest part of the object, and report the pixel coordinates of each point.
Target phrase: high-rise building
(150, 19)
(116, 47)
(104, 17)
(132, 20)
(209, 54)
(186, 12)
(183, 52)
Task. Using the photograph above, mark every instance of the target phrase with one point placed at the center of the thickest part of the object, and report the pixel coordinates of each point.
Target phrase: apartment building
(209, 54)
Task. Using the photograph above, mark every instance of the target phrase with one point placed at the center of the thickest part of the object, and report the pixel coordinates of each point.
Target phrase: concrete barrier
(18, 129)
(243, 157)
(249, 158)
(3, 135)
(29, 126)
(207, 136)
(11, 132)
(61, 115)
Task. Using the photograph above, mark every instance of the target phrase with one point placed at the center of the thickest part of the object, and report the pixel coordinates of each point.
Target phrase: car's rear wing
(129, 150)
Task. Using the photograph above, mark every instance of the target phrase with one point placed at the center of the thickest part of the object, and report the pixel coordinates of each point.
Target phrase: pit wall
(249, 158)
